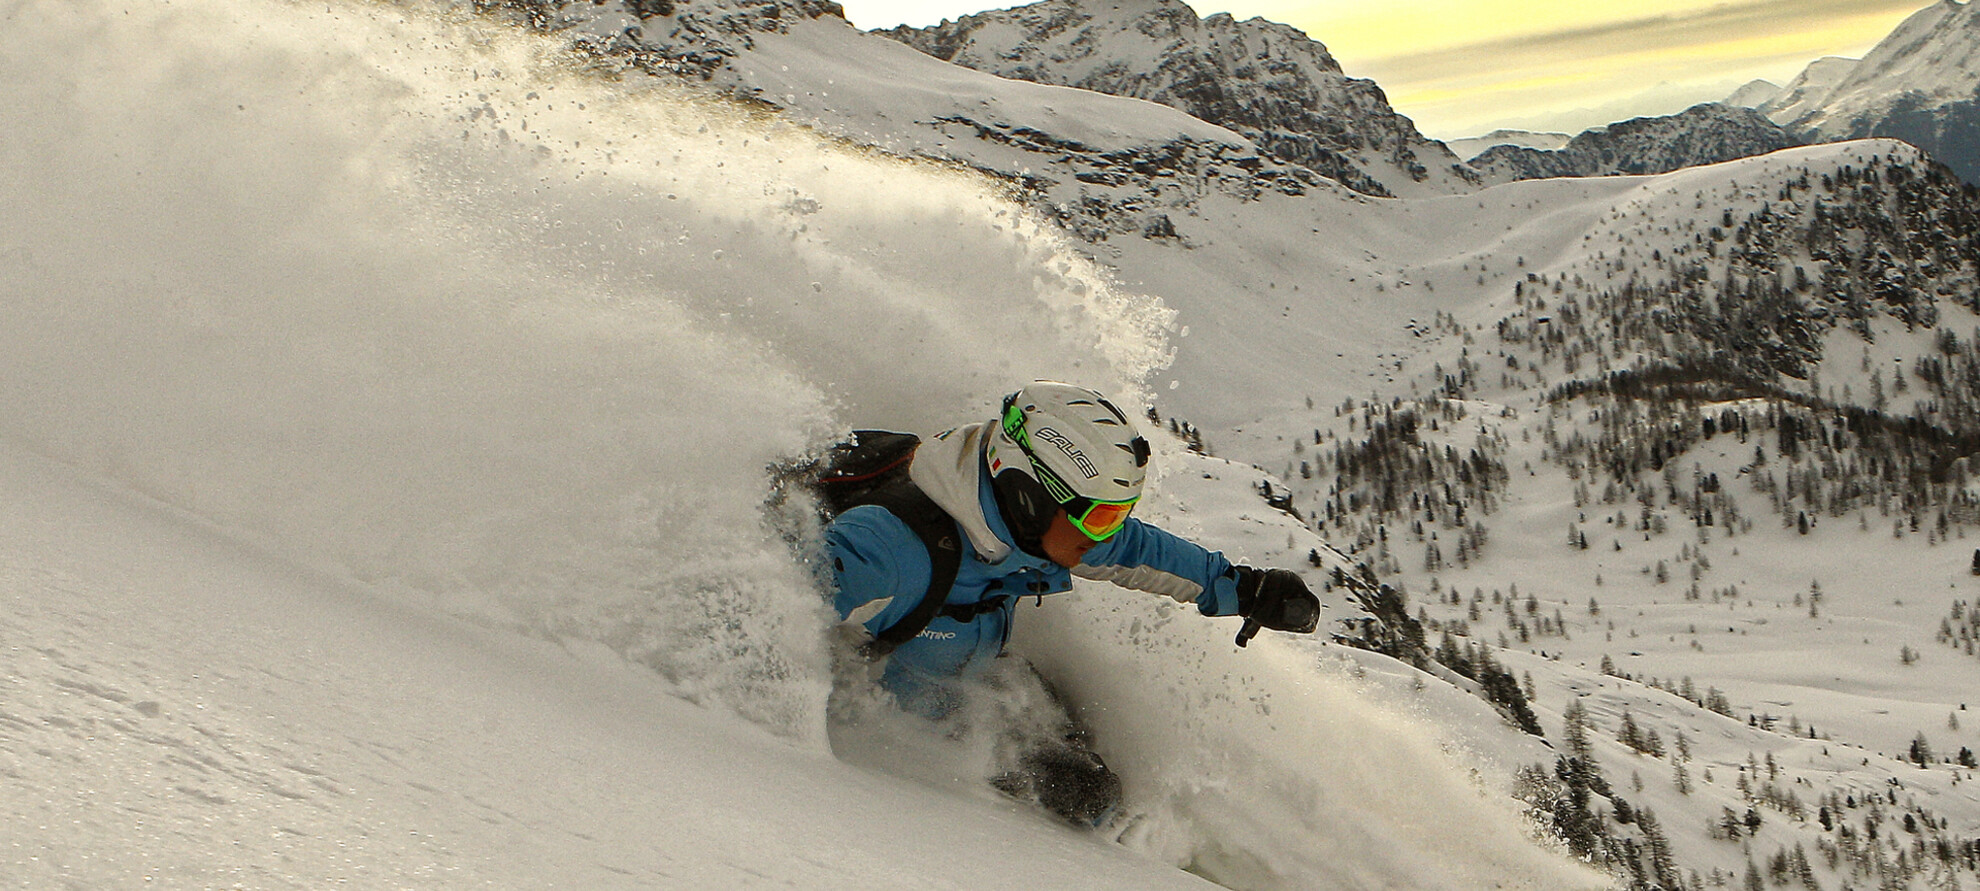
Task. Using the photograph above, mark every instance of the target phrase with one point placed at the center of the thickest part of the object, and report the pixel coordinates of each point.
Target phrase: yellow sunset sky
(1463, 67)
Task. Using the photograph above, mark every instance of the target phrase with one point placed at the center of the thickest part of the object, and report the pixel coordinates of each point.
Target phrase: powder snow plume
(410, 295)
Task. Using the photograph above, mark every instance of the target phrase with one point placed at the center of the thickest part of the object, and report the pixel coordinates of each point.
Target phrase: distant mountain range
(1703, 134)
(1921, 84)
(1474, 146)
(1286, 93)
(1285, 97)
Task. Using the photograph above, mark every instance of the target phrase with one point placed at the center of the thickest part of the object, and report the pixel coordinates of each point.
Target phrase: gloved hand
(1277, 599)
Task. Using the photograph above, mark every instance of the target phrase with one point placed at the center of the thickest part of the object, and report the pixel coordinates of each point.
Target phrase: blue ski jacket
(881, 569)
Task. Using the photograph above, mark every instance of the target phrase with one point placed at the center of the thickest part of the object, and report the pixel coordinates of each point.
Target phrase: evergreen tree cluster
(1884, 838)
(1191, 437)
(1711, 699)
(1757, 292)
(1496, 684)
(1891, 841)
(1396, 476)
(1577, 803)
(1811, 457)
(1524, 619)
(1387, 627)
(1719, 326)
(1949, 383)
(1960, 629)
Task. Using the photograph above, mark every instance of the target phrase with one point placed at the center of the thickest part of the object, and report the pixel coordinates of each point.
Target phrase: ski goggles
(1099, 520)
(1094, 518)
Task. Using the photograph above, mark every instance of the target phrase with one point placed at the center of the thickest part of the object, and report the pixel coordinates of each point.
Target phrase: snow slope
(378, 381)
(1738, 612)
(182, 711)
(386, 408)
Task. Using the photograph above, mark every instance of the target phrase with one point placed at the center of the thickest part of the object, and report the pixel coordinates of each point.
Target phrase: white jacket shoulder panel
(949, 470)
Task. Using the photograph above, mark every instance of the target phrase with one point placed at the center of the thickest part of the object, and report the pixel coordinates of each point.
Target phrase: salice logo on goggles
(1097, 520)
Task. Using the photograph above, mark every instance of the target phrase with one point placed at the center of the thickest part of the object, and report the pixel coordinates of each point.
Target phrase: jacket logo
(1072, 451)
(938, 635)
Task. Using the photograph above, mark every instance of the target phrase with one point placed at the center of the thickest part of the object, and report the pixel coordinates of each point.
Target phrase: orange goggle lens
(1101, 520)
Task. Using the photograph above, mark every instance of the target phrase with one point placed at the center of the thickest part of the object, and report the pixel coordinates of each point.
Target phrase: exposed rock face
(1267, 81)
(670, 36)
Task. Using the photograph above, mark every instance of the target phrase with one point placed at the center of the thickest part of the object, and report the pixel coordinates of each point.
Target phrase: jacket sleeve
(880, 569)
(1145, 558)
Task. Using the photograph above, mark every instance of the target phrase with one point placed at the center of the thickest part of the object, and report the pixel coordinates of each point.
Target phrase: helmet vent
(1118, 418)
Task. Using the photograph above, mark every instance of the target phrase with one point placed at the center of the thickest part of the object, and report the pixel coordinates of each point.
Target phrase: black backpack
(872, 468)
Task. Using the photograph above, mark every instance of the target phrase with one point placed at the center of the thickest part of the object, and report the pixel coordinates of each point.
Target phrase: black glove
(1276, 599)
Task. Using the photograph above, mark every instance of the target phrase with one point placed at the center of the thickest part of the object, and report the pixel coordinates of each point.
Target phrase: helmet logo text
(1072, 451)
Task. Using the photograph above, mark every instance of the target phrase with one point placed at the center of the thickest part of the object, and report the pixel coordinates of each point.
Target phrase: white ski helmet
(1058, 446)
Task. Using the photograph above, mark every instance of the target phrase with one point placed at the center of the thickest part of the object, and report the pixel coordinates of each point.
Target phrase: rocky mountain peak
(1921, 84)
(672, 36)
(1934, 55)
(1267, 81)
(1755, 93)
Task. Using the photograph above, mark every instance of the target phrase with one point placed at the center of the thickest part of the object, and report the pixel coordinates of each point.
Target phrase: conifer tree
(1574, 733)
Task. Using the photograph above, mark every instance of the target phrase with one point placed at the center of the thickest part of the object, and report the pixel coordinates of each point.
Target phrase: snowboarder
(1011, 508)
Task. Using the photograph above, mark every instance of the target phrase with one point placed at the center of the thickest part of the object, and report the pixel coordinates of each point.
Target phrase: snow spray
(410, 294)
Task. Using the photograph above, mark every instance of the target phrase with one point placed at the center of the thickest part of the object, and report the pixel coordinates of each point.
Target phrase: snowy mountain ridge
(1933, 55)
(1755, 92)
(1098, 165)
(1807, 90)
(1263, 79)
(1918, 84)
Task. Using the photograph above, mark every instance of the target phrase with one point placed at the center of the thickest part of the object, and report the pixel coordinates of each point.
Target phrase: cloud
(1771, 20)
(1577, 75)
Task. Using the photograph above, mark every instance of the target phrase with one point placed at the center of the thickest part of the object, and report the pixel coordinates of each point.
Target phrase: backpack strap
(970, 612)
(937, 531)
